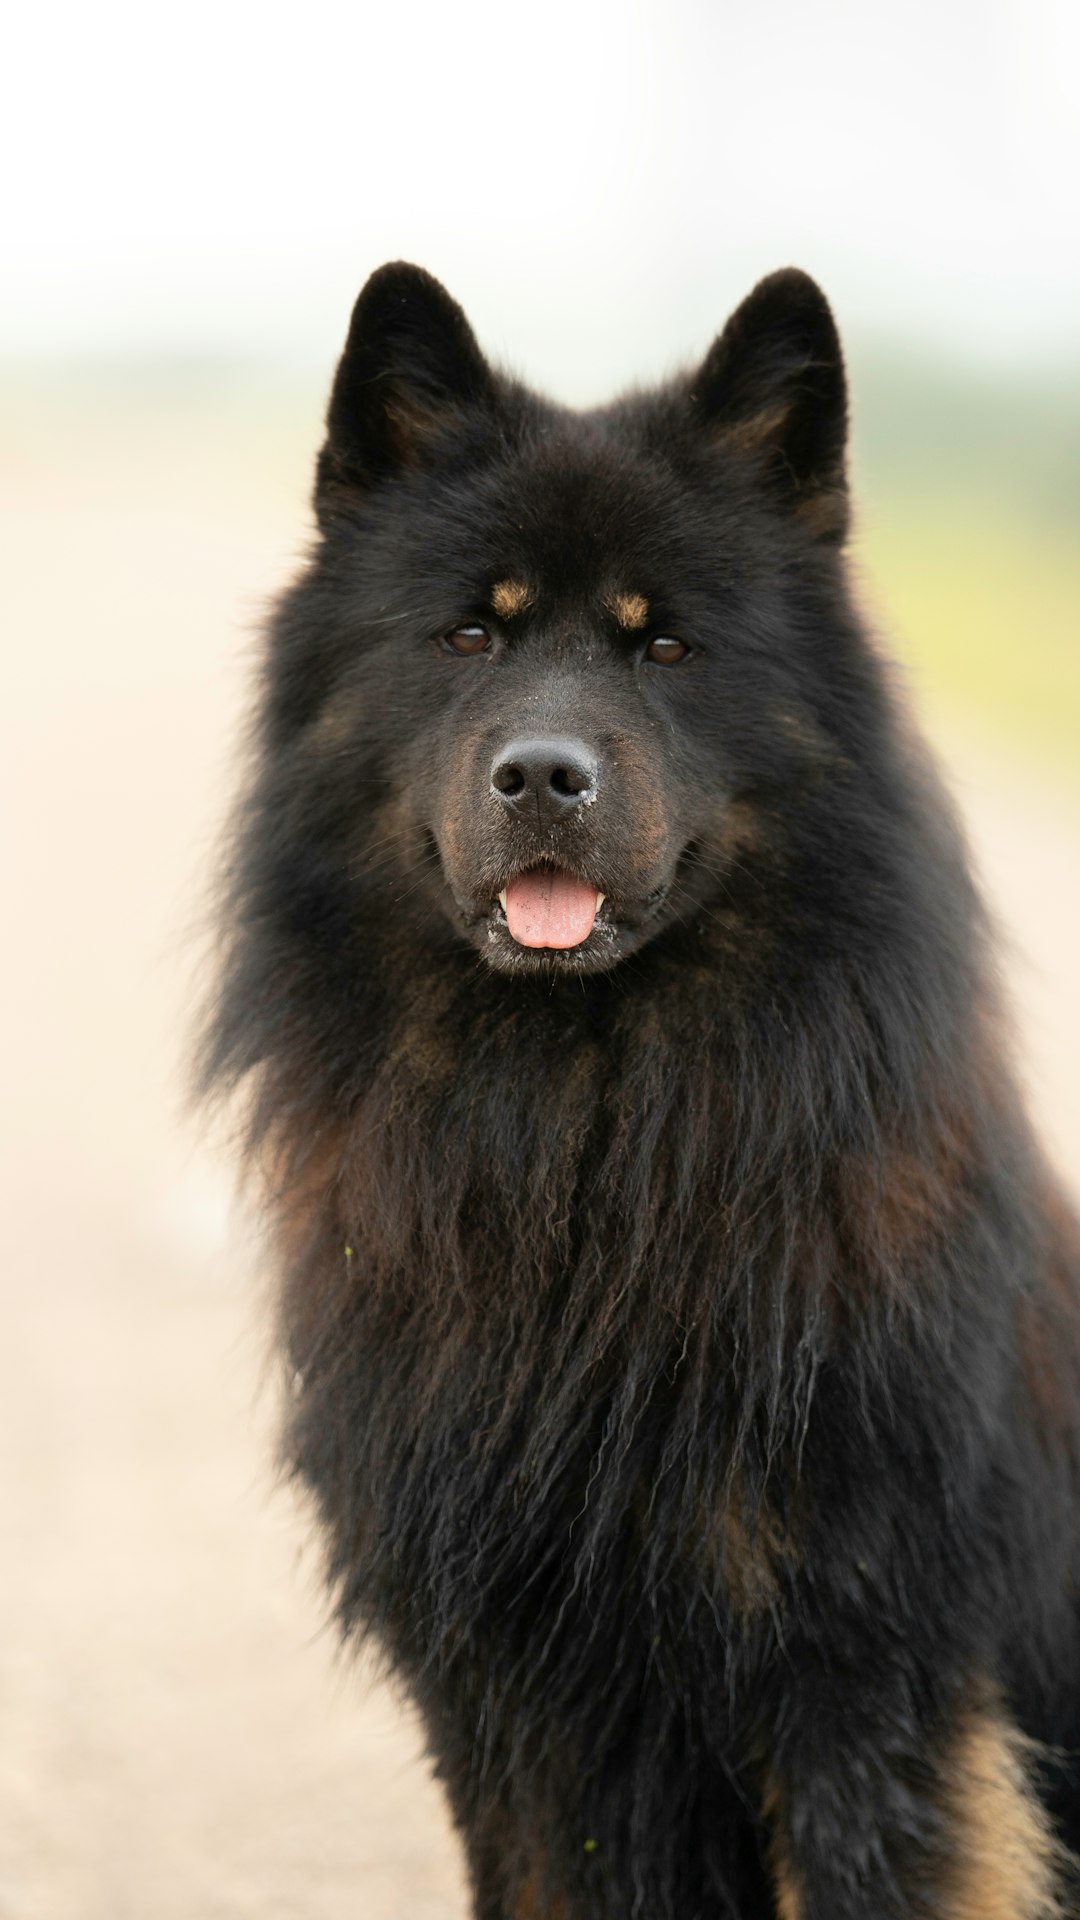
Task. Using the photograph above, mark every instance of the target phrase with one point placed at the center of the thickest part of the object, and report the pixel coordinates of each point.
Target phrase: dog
(683, 1326)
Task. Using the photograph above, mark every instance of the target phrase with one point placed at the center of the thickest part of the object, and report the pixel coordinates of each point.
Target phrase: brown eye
(665, 652)
(468, 640)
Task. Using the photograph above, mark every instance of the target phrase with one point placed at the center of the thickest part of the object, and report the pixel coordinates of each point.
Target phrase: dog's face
(557, 677)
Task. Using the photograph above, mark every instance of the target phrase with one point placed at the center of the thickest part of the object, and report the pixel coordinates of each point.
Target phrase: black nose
(546, 777)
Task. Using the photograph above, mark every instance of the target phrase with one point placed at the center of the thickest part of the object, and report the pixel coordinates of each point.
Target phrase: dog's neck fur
(773, 1188)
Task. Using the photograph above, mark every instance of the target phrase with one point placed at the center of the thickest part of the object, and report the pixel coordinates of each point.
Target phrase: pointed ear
(409, 377)
(772, 388)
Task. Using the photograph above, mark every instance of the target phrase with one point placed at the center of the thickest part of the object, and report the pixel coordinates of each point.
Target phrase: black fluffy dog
(683, 1325)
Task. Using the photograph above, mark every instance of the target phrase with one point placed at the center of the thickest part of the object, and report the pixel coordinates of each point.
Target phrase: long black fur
(685, 1350)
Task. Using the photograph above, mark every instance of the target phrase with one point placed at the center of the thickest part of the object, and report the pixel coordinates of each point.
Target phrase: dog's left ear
(411, 378)
(772, 388)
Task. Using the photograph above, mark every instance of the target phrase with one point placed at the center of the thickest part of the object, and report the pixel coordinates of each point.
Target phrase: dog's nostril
(507, 778)
(571, 780)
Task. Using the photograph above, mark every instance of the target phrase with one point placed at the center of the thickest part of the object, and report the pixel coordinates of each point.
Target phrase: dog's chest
(473, 1494)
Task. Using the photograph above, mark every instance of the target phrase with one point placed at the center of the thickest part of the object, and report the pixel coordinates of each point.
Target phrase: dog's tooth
(600, 898)
(502, 899)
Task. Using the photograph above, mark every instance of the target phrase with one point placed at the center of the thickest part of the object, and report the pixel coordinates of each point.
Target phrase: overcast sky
(597, 180)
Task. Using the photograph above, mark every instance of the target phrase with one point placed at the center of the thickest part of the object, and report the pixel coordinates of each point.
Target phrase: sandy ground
(178, 1738)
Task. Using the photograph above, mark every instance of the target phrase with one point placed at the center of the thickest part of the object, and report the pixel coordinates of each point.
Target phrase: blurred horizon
(965, 481)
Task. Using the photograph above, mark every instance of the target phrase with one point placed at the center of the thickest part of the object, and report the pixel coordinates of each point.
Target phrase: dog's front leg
(881, 1811)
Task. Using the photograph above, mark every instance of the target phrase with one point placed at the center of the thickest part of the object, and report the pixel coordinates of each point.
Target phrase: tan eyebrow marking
(631, 610)
(509, 597)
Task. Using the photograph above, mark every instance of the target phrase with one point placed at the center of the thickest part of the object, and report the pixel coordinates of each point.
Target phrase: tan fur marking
(893, 1206)
(803, 732)
(789, 1904)
(1004, 1861)
(334, 727)
(1007, 1863)
(742, 829)
(749, 1561)
(896, 1208)
(410, 424)
(531, 1907)
(509, 597)
(753, 1551)
(822, 508)
(631, 610)
(748, 436)
(823, 511)
(789, 1899)
(1050, 1324)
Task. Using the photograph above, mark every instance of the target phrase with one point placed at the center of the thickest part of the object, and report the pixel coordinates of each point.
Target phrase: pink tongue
(549, 909)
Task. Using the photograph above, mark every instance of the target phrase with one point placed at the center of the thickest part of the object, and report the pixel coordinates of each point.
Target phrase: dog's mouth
(546, 907)
(546, 918)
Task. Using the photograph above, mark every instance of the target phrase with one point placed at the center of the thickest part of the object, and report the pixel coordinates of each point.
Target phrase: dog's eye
(665, 652)
(468, 640)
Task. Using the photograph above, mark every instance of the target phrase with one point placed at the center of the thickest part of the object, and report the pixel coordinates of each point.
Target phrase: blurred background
(193, 199)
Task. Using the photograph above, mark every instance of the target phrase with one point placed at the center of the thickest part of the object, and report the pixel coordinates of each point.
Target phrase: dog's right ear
(772, 389)
(410, 375)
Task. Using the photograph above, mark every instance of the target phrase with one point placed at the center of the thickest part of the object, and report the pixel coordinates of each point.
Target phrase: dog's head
(553, 679)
